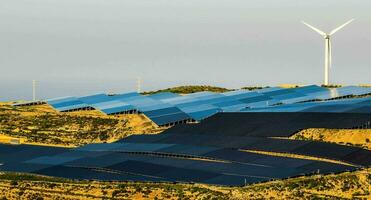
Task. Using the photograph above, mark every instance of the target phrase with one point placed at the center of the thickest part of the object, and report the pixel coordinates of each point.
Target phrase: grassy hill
(190, 89)
(42, 125)
(348, 185)
(352, 137)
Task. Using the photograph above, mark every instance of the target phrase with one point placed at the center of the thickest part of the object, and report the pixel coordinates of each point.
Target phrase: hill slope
(349, 185)
(43, 125)
(352, 137)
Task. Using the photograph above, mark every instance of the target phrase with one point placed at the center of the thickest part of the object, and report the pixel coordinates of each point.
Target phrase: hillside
(352, 137)
(348, 185)
(43, 125)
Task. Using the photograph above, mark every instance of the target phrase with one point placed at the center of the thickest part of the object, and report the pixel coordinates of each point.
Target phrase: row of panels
(356, 105)
(125, 162)
(168, 108)
(271, 124)
(219, 150)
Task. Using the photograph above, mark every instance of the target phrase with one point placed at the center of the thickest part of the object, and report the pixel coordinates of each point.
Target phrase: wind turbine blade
(340, 27)
(314, 28)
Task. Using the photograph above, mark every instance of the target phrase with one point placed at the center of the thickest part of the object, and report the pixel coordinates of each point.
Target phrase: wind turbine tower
(328, 51)
(139, 84)
(33, 90)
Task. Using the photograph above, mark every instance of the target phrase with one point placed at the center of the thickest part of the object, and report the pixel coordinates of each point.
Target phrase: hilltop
(43, 125)
(351, 137)
(190, 89)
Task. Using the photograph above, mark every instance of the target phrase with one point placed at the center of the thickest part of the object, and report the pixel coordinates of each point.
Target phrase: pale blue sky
(77, 47)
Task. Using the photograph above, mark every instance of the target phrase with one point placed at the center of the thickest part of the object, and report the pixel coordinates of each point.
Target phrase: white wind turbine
(328, 56)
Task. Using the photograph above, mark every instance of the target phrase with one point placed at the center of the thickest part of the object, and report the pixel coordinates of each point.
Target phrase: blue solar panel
(125, 95)
(142, 147)
(256, 99)
(276, 92)
(243, 95)
(154, 107)
(187, 149)
(201, 94)
(68, 103)
(363, 109)
(330, 108)
(163, 111)
(232, 106)
(268, 89)
(288, 96)
(51, 160)
(112, 107)
(195, 97)
(60, 100)
(352, 90)
(166, 107)
(309, 89)
(170, 118)
(163, 95)
(200, 115)
(93, 99)
(237, 92)
(104, 160)
(101, 147)
(188, 175)
(22, 167)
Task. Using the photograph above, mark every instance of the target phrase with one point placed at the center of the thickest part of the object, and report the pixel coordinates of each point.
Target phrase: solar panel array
(356, 105)
(168, 108)
(219, 150)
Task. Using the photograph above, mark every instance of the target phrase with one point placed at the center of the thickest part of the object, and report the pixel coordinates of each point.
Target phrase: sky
(81, 47)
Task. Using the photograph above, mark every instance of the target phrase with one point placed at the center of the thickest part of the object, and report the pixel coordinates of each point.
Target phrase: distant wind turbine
(328, 56)
(33, 90)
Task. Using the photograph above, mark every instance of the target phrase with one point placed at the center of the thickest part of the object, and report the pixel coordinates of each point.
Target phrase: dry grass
(348, 185)
(353, 137)
(298, 156)
(42, 125)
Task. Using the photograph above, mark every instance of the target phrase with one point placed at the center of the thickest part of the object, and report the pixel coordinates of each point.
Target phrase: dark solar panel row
(208, 152)
(271, 124)
(122, 166)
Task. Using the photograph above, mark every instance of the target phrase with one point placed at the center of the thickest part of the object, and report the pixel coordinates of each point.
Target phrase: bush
(13, 183)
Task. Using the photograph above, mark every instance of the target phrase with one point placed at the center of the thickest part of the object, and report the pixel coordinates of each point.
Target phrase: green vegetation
(190, 89)
(199, 88)
(332, 86)
(253, 87)
(56, 188)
